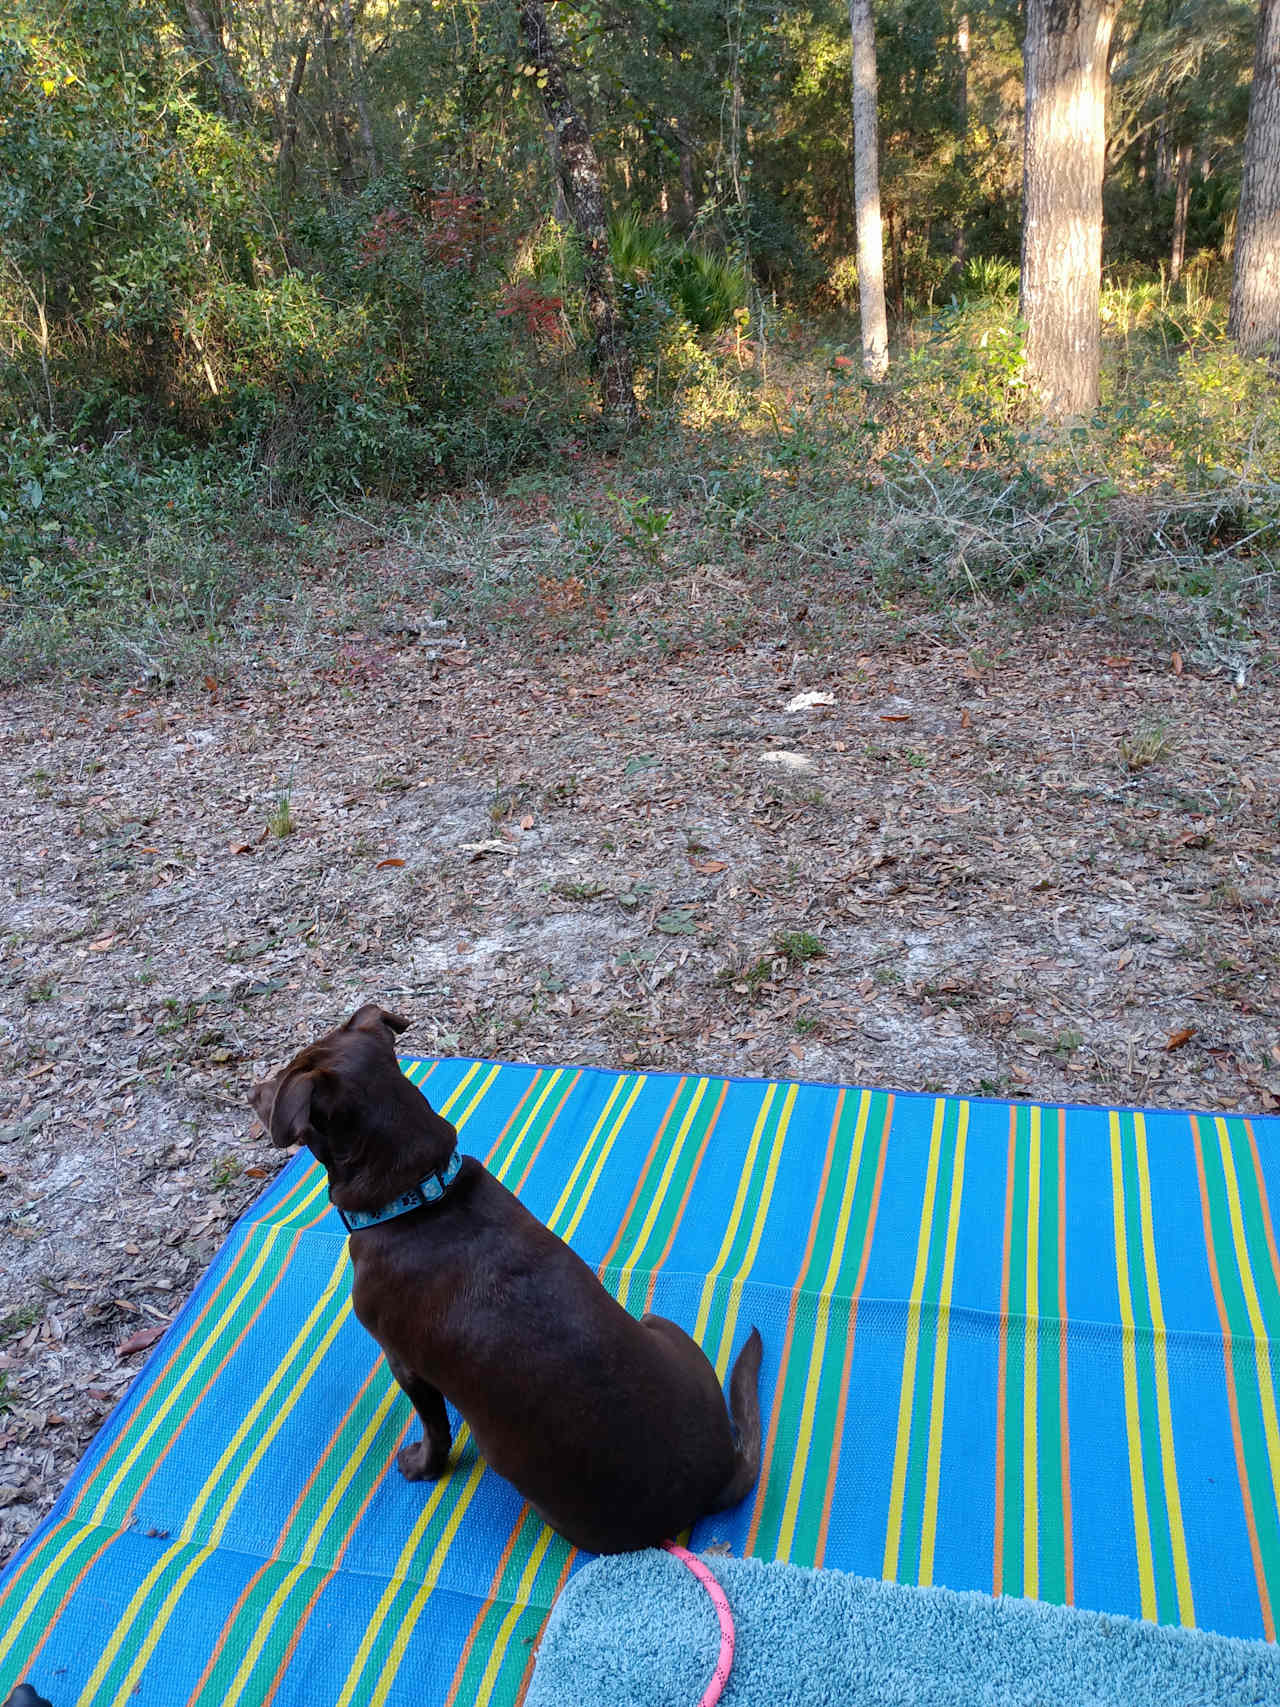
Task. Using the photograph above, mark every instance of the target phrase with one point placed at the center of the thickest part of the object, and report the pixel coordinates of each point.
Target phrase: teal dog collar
(430, 1190)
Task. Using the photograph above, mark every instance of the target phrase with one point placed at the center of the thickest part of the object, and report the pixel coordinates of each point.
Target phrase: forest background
(266, 260)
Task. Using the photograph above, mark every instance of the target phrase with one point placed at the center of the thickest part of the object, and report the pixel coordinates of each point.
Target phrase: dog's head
(336, 1092)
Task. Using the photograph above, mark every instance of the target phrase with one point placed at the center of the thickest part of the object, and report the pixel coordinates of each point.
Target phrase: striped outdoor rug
(1025, 1350)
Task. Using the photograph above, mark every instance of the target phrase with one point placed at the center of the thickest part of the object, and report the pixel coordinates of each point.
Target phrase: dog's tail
(744, 1408)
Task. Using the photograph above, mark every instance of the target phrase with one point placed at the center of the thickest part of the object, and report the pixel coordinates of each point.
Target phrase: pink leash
(720, 1676)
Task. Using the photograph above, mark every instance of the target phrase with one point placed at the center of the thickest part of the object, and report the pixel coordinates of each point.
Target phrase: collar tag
(429, 1190)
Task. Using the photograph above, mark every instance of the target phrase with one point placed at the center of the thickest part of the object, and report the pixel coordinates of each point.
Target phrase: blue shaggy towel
(638, 1631)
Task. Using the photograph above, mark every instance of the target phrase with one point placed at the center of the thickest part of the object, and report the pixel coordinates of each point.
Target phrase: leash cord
(720, 1676)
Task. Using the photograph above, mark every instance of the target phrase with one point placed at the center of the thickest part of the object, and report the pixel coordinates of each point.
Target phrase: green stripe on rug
(518, 1601)
(716, 1323)
(655, 1218)
(1249, 1356)
(932, 1311)
(792, 1504)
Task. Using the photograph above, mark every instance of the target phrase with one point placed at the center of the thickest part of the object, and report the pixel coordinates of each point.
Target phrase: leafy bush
(703, 288)
(988, 276)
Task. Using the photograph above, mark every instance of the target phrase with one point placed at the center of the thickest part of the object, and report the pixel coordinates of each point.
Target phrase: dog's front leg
(427, 1459)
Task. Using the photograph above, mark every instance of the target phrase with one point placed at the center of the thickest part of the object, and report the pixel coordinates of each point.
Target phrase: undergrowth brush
(776, 498)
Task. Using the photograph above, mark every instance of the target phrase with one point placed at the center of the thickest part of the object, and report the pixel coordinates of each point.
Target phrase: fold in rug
(639, 1631)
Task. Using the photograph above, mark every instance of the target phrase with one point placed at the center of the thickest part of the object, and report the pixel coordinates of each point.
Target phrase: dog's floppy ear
(371, 1014)
(261, 1098)
(290, 1115)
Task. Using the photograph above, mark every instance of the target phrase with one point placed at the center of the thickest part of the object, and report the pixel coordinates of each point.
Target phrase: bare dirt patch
(1049, 873)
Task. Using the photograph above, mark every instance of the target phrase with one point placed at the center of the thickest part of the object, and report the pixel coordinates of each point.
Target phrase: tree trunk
(959, 242)
(355, 65)
(285, 167)
(1065, 60)
(1254, 318)
(866, 193)
(579, 172)
(206, 37)
(688, 202)
(338, 130)
(1181, 202)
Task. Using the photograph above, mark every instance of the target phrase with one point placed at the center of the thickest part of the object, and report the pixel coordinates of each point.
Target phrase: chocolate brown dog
(615, 1430)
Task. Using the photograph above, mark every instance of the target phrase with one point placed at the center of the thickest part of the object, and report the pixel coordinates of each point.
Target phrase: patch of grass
(791, 949)
(18, 1321)
(224, 1172)
(1152, 740)
(281, 821)
(507, 801)
(39, 990)
(747, 980)
(798, 946)
(569, 889)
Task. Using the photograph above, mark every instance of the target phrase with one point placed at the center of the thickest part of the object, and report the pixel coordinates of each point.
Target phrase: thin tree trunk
(355, 65)
(1254, 317)
(579, 171)
(734, 23)
(1065, 59)
(338, 130)
(285, 168)
(1181, 202)
(959, 243)
(866, 193)
(688, 202)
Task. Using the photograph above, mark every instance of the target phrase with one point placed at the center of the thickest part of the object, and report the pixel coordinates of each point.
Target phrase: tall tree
(1065, 68)
(1254, 318)
(580, 178)
(866, 192)
(1181, 203)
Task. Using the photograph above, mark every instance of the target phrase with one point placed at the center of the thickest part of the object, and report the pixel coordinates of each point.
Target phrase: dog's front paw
(417, 1463)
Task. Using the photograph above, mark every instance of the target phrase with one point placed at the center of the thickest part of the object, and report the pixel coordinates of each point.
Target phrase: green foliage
(988, 276)
(704, 289)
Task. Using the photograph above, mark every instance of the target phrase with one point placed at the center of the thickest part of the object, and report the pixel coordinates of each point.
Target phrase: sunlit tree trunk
(1254, 318)
(959, 243)
(1065, 62)
(1181, 202)
(866, 193)
(579, 172)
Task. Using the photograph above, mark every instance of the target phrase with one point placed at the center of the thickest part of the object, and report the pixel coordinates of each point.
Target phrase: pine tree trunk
(579, 171)
(1254, 318)
(866, 193)
(1065, 60)
(1181, 202)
